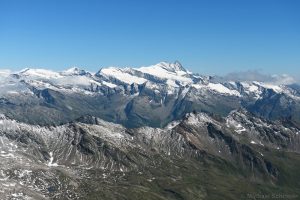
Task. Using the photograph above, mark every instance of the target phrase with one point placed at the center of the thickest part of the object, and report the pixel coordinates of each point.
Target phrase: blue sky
(206, 36)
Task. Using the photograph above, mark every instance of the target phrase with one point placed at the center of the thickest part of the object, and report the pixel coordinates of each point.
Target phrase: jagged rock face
(275, 134)
(89, 157)
(134, 97)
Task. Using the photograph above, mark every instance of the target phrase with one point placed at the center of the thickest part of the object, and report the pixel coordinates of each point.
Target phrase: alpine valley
(158, 132)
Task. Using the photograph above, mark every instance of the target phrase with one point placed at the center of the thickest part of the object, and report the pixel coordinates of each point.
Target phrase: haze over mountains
(156, 132)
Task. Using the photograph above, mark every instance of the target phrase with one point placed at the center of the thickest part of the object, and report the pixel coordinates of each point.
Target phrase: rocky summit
(154, 132)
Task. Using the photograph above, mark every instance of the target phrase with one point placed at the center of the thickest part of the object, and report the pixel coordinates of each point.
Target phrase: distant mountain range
(156, 132)
(134, 97)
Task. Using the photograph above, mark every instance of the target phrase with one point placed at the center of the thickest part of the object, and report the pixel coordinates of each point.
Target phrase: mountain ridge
(64, 161)
(133, 93)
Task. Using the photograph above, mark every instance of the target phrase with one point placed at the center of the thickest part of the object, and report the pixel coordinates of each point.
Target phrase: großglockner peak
(172, 67)
(168, 73)
(75, 71)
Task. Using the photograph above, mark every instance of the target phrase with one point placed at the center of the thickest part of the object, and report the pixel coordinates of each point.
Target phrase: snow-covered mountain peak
(74, 71)
(175, 68)
(172, 67)
(173, 73)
